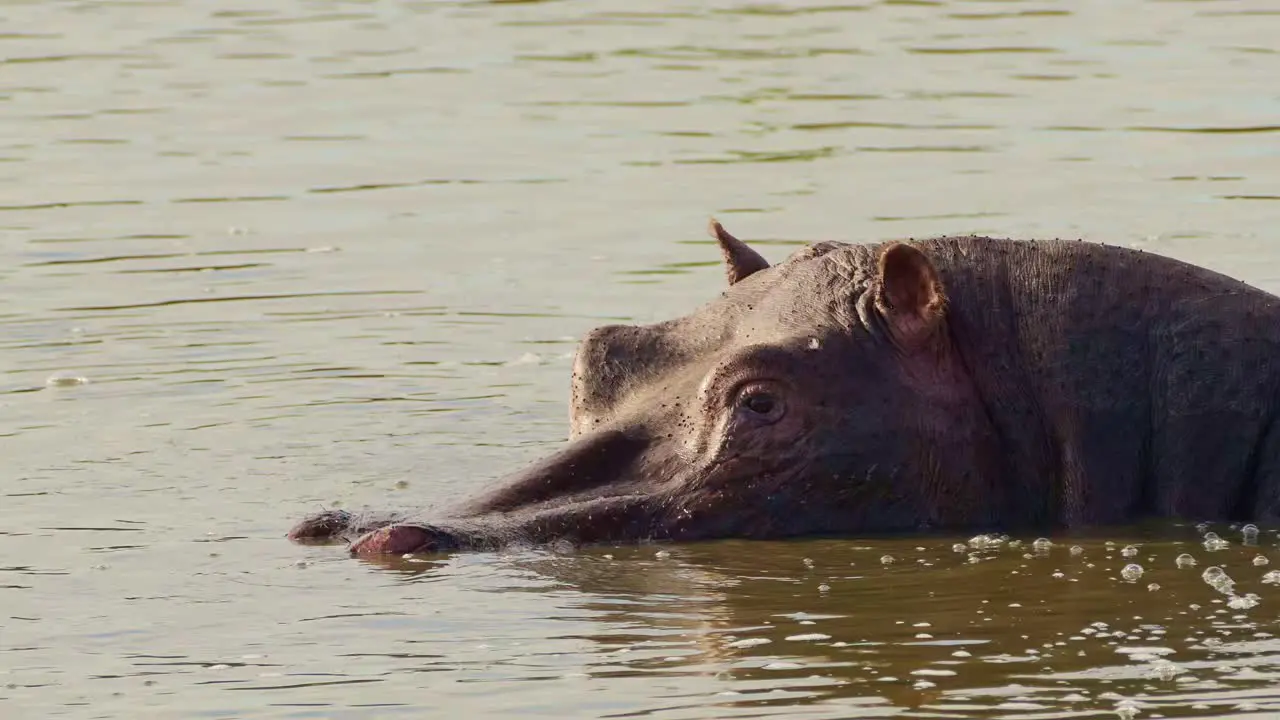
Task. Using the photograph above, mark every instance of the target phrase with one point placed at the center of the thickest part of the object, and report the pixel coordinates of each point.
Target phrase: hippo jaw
(586, 522)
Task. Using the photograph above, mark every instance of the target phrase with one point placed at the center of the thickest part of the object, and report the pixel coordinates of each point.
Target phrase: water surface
(308, 253)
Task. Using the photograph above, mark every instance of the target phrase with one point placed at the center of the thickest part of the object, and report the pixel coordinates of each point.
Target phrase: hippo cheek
(402, 539)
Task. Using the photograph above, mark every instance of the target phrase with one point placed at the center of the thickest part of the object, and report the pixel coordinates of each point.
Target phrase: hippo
(948, 384)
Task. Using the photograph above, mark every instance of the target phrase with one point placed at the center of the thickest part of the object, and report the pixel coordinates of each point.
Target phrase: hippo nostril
(402, 539)
(321, 526)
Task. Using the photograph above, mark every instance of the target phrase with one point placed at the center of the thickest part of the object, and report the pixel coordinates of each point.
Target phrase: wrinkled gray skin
(956, 383)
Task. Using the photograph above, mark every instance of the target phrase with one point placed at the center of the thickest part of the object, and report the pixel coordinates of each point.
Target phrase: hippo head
(823, 395)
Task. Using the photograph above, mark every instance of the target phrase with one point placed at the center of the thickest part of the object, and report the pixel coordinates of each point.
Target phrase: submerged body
(955, 383)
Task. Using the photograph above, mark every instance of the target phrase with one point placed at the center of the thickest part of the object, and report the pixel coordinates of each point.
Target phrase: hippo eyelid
(754, 364)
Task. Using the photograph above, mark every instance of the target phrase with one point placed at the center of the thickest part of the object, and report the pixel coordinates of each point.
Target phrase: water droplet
(1185, 561)
(1271, 578)
(1260, 560)
(1129, 551)
(808, 562)
(887, 559)
(1042, 545)
(1077, 550)
(824, 588)
(1153, 587)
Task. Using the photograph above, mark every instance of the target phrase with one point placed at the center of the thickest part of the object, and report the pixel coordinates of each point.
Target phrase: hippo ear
(910, 295)
(740, 261)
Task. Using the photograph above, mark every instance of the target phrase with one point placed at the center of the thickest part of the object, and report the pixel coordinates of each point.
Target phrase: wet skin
(958, 383)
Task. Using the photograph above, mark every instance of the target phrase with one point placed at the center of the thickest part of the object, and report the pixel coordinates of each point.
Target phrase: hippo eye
(760, 403)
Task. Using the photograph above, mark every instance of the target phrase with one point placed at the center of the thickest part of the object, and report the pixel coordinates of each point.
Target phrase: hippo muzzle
(587, 492)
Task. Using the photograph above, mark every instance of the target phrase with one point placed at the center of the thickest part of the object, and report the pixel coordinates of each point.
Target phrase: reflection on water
(964, 627)
(259, 260)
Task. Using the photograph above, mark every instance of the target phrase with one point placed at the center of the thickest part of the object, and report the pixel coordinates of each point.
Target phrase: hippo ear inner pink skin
(740, 261)
(909, 295)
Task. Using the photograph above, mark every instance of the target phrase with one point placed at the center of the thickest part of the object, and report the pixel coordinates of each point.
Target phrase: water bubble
(1185, 561)
(1218, 579)
(1129, 551)
(1260, 560)
(1202, 528)
(808, 637)
(1131, 572)
(1245, 602)
(1212, 542)
(959, 547)
(61, 379)
(1250, 533)
(1165, 670)
(1041, 545)
(1127, 709)
(887, 559)
(808, 562)
(1058, 575)
(1076, 550)
(1153, 587)
(662, 554)
(824, 588)
(987, 542)
(1271, 578)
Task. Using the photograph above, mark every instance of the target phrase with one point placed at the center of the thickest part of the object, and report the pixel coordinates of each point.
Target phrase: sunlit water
(260, 259)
